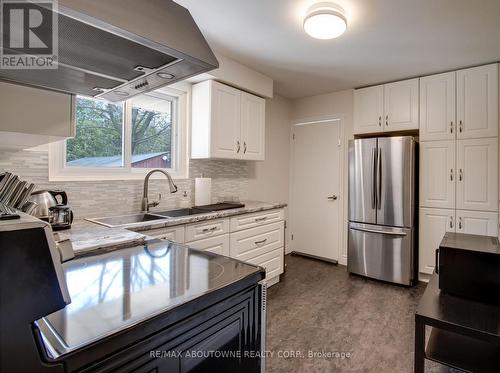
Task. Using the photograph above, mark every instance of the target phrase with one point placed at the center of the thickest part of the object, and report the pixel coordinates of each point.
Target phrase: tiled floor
(319, 307)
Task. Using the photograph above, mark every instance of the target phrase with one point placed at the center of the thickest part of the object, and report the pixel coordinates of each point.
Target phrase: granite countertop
(90, 237)
(87, 237)
(113, 291)
(250, 207)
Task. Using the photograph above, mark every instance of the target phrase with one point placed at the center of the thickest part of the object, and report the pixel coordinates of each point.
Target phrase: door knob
(333, 197)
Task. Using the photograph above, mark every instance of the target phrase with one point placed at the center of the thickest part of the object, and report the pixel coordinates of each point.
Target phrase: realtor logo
(29, 34)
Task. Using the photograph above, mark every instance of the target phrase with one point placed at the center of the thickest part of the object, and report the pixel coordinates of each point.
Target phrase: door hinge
(293, 136)
(292, 237)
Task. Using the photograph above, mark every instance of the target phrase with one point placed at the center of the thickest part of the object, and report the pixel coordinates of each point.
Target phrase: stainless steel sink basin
(181, 212)
(117, 221)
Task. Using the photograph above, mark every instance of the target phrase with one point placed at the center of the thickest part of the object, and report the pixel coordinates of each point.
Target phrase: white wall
(339, 105)
(269, 179)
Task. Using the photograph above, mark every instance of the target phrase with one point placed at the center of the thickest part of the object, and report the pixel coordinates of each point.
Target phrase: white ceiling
(385, 40)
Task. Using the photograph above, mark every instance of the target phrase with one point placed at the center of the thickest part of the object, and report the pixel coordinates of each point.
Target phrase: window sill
(106, 175)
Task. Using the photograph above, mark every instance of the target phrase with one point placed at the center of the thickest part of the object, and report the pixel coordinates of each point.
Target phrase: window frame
(58, 171)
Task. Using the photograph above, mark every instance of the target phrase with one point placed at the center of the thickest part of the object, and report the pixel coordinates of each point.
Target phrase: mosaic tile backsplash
(105, 198)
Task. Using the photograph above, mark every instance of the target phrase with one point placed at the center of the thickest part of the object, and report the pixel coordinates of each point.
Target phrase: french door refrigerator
(382, 183)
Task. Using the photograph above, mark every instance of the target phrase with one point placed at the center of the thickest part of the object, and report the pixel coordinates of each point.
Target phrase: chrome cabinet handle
(238, 147)
(451, 127)
(451, 221)
(460, 175)
(451, 174)
(460, 223)
(261, 241)
(244, 147)
(460, 126)
(333, 197)
(211, 229)
(260, 219)
(380, 121)
(387, 120)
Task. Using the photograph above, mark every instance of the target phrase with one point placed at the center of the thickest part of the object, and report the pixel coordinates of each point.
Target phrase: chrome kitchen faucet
(145, 195)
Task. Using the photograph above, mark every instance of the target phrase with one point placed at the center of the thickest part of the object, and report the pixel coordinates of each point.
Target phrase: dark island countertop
(116, 291)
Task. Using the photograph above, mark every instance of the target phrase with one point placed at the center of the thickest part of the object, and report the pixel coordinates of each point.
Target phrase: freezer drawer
(383, 253)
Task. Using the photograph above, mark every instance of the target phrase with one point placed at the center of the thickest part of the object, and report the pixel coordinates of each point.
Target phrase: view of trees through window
(100, 125)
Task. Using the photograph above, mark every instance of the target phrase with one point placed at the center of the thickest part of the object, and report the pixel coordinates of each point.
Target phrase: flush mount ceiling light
(325, 21)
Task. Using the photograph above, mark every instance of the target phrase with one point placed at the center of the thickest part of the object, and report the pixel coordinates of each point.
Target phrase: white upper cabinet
(401, 105)
(477, 102)
(437, 107)
(477, 222)
(385, 108)
(368, 109)
(437, 169)
(253, 127)
(226, 123)
(33, 116)
(477, 174)
(433, 224)
(226, 114)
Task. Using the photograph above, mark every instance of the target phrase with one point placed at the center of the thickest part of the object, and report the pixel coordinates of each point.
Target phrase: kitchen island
(156, 307)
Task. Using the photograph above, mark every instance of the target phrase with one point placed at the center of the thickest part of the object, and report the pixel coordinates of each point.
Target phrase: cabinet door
(437, 107)
(368, 109)
(437, 174)
(433, 224)
(401, 105)
(477, 174)
(253, 127)
(226, 122)
(477, 222)
(218, 245)
(477, 102)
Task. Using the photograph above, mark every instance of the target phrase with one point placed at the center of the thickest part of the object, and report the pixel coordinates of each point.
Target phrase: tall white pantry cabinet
(458, 157)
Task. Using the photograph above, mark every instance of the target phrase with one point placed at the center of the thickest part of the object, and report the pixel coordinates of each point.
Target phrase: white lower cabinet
(433, 224)
(217, 244)
(477, 222)
(174, 234)
(255, 238)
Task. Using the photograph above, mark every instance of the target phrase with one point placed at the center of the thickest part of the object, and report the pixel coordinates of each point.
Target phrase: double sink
(125, 220)
(117, 221)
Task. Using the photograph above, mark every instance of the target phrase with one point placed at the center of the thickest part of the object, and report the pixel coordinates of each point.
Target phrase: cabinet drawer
(198, 231)
(254, 220)
(271, 261)
(175, 234)
(218, 244)
(251, 243)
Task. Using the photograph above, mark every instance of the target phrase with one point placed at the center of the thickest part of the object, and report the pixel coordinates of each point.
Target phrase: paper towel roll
(202, 191)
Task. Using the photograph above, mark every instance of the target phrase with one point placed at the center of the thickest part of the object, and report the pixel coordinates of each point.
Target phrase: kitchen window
(125, 140)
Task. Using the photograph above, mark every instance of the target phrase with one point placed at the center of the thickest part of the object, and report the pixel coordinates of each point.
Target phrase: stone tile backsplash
(105, 198)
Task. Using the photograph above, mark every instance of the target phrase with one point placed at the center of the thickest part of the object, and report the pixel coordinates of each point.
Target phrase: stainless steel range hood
(115, 49)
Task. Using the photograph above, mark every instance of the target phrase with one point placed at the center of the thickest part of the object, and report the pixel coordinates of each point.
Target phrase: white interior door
(316, 181)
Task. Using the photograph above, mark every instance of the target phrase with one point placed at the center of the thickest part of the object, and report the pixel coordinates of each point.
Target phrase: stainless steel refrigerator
(382, 229)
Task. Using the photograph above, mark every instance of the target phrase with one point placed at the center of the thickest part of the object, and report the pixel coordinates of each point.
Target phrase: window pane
(151, 132)
(99, 135)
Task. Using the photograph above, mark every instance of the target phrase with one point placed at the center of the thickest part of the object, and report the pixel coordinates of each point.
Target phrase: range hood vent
(116, 49)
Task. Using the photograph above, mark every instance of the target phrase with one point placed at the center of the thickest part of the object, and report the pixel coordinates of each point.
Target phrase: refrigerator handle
(379, 178)
(374, 178)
